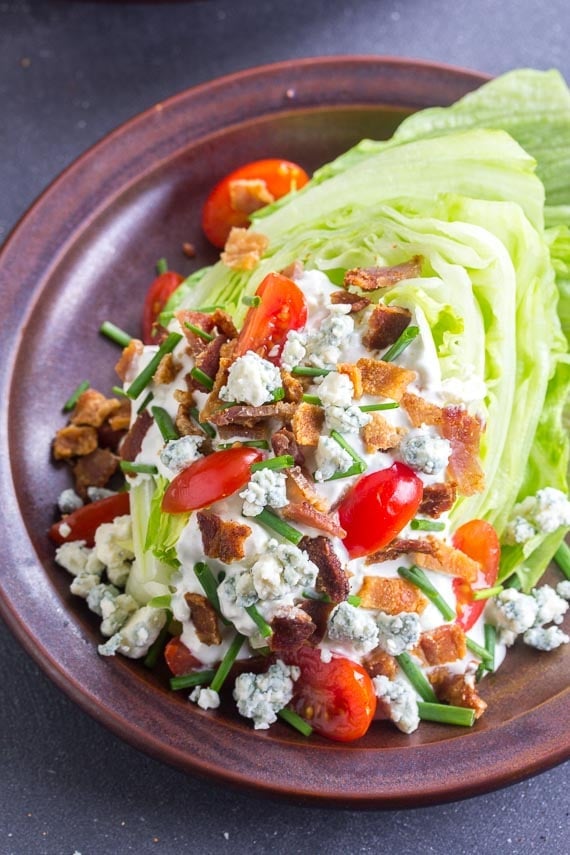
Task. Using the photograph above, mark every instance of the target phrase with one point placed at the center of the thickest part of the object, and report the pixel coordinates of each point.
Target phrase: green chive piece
(305, 371)
(250, 443)
(486, 593)
(284, 461)
(562, 558)
(372, 408)
(165, 424)
(319, 596)
(407, 337)
(480, 672)
(312, 399)
(75, 395)
(161, 602)
(208, 429)
(146, 375)
(443, 714)
(202, 378)
(416, 677)
(426, 525)
(208, 582)
(259, 621)
(138, 468)
(513, 582)
(115, 333)
(251, 301)
(118, 390)
(418, 578)
(145, 403)
(479, 651)
(196, 678)
(359, 465)
(227, 662)
(206, 336)
(272, 521)
(278, 394)
(490, 644)
(295, 721)
(353, 600)
(161, 266)
(156, 647)
(355, 469)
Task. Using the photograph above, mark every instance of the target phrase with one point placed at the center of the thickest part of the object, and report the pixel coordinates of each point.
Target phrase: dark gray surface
(70, 72)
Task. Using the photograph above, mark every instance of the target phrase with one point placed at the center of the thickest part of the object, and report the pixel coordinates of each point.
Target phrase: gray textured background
(70, 72)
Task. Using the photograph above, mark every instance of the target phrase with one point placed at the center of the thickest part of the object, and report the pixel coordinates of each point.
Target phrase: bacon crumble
(223, 539)
(384, 378)
(392, 596)
(385, 325)
(443, 644)
(204, 618)
(243, 249)
(372, 278)
(332, 579)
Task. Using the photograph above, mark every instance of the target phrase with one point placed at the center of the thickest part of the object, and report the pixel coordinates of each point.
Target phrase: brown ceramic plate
(84, 253)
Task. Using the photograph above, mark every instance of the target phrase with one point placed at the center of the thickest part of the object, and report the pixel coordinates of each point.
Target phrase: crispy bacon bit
(293, 387)
(223, 539)
(392, 596)
(421, 412)
(208, 361)
(283, 442)
(240, 432)
(357, 302)
(214, 403)
(446, 559)
(128, 356)
(457, 689)
(94, 470)
(189, 249)
(384, 378)
(93, 408)
(204, 618)
(353, 372)
(385, 325)
(291, 626)
(319, 613)
(167, 370)
(399, 546)
(243, 249)
(243, 414)
(300, 489)
(196, 344)
(224, 323)
(372, 278)
(294, 270)
(464, 433)
(74, 441)
(443, 644)
(249, 194)
(184, 423)
(307, 423)
(121, 419)
(133, 441)
(308, 515)
(378, 663)
(332, 579)
(380, 435)
(437, 499)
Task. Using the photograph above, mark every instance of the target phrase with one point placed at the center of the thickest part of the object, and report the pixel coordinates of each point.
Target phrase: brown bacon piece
(437, 498)
(223, 539)
(74, 441)
(129, 354)
(300, 489)
(384, 378)
(319, 613)
(204, 618)
(380, 435)
(214, 403)
(243, 249)
(283, 442)
(94, 470)
(249, 194)
(121, 418)
(378, 663)
(420, 412)
(458, 690)
(308, 515)
(208, 361)
(196, 344)
(446, 559)
(224, 323)
(443, 644)
(291, 626)
(185, 424)
(392, 596)
(464, 434)
(332, 579)
(354, 374)
(258, 431)
(93, 408)
(307, 423)
(133, 441)
(372, 278)
(357, 302)
(243, 414)
(399, 546)
(293, 387)
(385, 325)
(167, 370)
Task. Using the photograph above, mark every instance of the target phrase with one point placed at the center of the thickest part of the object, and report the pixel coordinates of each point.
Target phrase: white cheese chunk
(421, 449)
(551, 607)
(348, 623)
(178, 454)
(545, 638)
(261, 696)
(282, 568)
(512, 613)
(207, 699)
(251, 380)
(266, 488)
(397, 633)
(330, 458)
(399, 701)
(136, 636)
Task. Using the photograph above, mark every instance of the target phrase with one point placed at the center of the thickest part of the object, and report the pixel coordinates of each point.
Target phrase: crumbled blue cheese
(545, 638)
(251, 380)
(347, 623)
(115, 608)
(69, 501)
(563, 589)
(82, 563)
(512, 613)
(543, 513)
(324, 344)
(261, 696)
(346, 419)
(136, 636)
(421, 449)
(519, 530)
(397, 633)
(280, 569)
(95, 494)
(177, 454)
(266, 488)
(400, 702)
(294, 350)
(114, 547)
(330, 458)
(336, 390)
(551, 607)
(237, 591)
(207, 699)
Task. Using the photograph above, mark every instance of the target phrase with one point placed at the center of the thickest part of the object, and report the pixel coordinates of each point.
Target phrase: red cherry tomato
(378, 507)
(282, 308)
(179, 659)
(337, 698)
(84, 522)
(219, 215)
(477, 539)
(155, 301)
(209, 479)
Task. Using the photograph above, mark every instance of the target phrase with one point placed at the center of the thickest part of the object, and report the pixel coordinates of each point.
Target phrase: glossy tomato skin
(336, 698)
(219, 216)
(156, 298)
(378, 507)
(209, 479)
(179, 659)
(84, 522)
(282, 308)
(479, 540)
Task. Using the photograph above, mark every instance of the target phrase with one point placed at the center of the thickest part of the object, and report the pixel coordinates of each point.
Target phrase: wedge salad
(344, 445)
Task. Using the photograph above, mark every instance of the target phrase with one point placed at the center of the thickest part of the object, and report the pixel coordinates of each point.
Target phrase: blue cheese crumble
(261, 696)
(207, 699)
(114, 548)
(424, 451)
(512, 613)
(545, 638)
(347, 623)
(266, 488)
(281, 569)
(325, 343)
(544, 513)
(251, 380)
(397, 633)
(551, 607)
(294, 350)
(399, 701)
(330, 458)
(178, 454)
(563, 589)
(136, 636)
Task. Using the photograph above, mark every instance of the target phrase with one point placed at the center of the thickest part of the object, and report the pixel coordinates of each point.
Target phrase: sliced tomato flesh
(479, 540)
(156, 298)
(84, 522)
(282, 308)
(179, 659)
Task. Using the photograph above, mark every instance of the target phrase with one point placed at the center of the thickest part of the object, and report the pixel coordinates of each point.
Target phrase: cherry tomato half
(477, 539)
(282, 308)
(155, 301)
(179, 659)
(84, 522)
(222, 209)
(377, 507)
(336, 698)
(209, 479)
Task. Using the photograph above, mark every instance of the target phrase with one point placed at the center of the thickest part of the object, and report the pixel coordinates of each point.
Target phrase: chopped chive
(164, 424)
(208, 582)
(416, 677)
(305, 371)
(319, 596)
(146, 375)
(426, 525)
(461, 716)
(196, 678)
(161, 266)
(354, 600)
(157, 647)
(260, 621)
(251, 301)
(480, 672)
(206, 309)
(562, 558)
(490, 644)
(278, 394)
(202, 378)
(407, 337)
(284, 461)
(161, 602)
(312, 399)
(359, 465)
(138, 468)
(249, 443)
(227, 662)
(486, 593)
(272, 521)
(145, 403)
(206, 336)
(355, 469)
(372, 408)
(115, 333)
(295, 721)
(479, 651)
(418, 578)
(208, 429)
(75, 395)
(118, 390)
